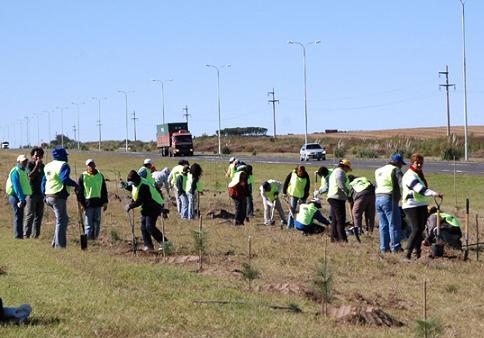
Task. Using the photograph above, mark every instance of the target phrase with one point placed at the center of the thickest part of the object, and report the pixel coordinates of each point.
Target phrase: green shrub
(366, 153)
(339, 152)
(226, 150)
(449, 153)
(428, 328)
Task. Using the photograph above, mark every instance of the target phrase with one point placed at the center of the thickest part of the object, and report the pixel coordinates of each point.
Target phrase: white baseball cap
(148, 161)
(89, 161)
(21, 158)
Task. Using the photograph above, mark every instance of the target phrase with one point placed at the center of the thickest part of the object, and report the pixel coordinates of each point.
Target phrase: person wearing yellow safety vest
(269, 191)
(17, 189)
(296, 186)
(323, 173)
(306, 216)
(238, 190)
(338, 193)
(93, 195)
(56, 185)
(414, 197)
(146, 171)
(362, 199)
(388, 180)
(232, 168)
(181, 188)
(194, 189)
(172, 180)
(449, 229)
(145, 195)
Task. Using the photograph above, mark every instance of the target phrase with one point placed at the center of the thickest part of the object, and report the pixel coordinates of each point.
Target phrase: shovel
(438, 246)
(83, 236)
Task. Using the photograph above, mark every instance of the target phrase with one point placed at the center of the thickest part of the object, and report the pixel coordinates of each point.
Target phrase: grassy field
(107, 292)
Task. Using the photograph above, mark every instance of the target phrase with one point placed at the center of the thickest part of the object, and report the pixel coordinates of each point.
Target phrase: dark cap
(397, 158)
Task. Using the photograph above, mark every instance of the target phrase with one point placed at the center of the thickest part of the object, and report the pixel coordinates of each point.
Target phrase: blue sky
(376, 67)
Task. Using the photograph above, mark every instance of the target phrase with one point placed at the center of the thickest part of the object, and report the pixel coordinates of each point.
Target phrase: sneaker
(147, 248)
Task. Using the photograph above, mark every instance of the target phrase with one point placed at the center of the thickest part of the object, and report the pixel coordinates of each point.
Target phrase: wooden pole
(477, 236)
(250, 249)
(325, 298)
(425, 306)
(466, 253)
(200, 251)
(455, 189)
(163, 234)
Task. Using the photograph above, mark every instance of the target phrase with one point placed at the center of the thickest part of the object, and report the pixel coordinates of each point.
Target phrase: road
(442, 167)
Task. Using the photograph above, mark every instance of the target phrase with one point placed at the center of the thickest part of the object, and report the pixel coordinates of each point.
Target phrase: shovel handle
(438, 201)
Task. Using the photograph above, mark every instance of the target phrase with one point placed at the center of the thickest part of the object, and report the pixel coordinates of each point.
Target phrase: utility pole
(74, 129)
(134, 118)
(446, 86)
(28, 133)
(273, 101)
(186, 113)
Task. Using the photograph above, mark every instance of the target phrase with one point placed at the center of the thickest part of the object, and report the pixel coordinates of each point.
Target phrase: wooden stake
(163, 234)
(425, 306)
(324, 303)
(477, 236)
(250, 249)
(200, 251)
(455, 190)
(466, 238)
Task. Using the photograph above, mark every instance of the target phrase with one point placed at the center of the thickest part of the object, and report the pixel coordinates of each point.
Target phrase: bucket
(437, 250)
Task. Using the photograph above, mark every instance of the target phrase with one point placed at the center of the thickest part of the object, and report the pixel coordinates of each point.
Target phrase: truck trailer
(174, 139)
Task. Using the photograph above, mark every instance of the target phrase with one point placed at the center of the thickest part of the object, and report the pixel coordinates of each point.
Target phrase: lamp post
(464, 65)
(49, 137)
(98, 99)
(163, 97)
(62, 123)
(126, 102)
(305, 85)
(28, 132)
(78, 124)
(218, 103)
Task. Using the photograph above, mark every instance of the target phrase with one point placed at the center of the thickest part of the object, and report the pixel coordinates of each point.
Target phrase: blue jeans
(184, 206)
(390, 223)
(192, 201)
(92, 221)
(18, 218)
(293, 202)
(59, 205)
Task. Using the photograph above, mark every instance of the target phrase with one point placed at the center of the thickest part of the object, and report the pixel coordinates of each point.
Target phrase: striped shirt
(411, 183)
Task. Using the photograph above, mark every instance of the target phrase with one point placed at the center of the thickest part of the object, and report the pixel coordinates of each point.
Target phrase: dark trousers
(34, 211)
(338, 220)
(417, 217)
(240, 210)
(250, 206)
(18, 217)
(312, 229)
(149, 229)
(364, 205)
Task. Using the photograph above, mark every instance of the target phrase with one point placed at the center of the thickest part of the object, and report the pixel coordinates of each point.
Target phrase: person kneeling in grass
(145, 195)
(306, 216)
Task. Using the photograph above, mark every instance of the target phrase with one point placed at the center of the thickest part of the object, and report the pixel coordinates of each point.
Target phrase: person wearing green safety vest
(323, 173)
(415, 194)
(146, 171)
(250, 185)
(145, 195)
(338, 193)
(449, 231)
(172, 180)
(194, 189)
(56, 186)
(238, 191)
(181, 188)
(388, 182)
(232, 168)
(296, 186)
(269, 191)
(362, 200)
(17, 189)
(308, 213)
(93, 196)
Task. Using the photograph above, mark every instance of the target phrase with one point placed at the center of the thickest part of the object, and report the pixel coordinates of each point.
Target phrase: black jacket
(148, 206)
(306, 188)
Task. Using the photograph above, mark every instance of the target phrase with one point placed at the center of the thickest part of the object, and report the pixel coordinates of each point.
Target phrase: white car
(312, 151)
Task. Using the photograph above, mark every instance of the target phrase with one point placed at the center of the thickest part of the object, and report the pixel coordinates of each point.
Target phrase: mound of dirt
(363, 315)
(180, 259)
(220, 213)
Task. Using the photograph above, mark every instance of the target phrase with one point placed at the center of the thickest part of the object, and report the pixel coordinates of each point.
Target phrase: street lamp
(62, 123)
(78, 124)
(49, 137)
(305, 85)
(163, 96)
(126, 101)
(466, 146)
(98, 99)
(218, 101)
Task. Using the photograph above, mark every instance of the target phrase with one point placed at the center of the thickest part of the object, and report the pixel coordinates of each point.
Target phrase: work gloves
(127, 208)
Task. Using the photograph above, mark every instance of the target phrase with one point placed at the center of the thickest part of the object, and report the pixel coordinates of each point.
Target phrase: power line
(273, 101)
(446, 86)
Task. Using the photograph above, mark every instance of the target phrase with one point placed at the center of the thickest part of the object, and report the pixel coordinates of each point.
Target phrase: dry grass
(147, 295)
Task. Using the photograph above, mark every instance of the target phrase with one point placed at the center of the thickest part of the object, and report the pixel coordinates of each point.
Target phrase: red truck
(174, 139)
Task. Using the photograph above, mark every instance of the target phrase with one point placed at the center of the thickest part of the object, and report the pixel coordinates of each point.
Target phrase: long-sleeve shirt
(306, 187)
(161, 179)
(36, 173)
(65, 179)
(411, 182)
(16, 187)
(95, 202)
(179, 184)
(339, 178)
(149, 206)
